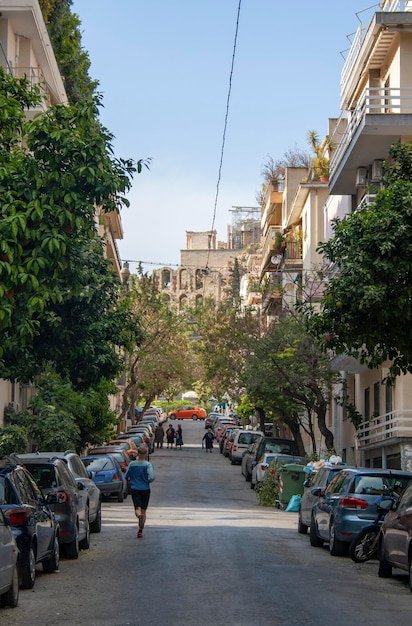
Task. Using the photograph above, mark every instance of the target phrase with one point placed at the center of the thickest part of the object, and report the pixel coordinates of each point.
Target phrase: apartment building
(297, 213)
(376, 112)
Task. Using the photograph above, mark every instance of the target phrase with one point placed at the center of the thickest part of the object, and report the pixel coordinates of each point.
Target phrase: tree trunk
(320, 411)
(294, 428)
(261, 417)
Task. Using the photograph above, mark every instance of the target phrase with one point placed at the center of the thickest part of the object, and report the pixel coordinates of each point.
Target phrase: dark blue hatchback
(32, 521)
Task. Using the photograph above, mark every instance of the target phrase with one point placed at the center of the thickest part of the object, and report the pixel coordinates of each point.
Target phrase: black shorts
(140, 498)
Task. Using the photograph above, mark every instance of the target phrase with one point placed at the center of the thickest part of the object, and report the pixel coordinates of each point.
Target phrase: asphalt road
(209, 556)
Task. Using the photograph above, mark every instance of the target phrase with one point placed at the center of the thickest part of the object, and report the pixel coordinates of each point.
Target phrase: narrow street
(209, 555)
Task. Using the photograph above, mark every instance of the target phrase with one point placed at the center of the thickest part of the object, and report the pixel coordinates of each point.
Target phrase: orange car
(188, 413)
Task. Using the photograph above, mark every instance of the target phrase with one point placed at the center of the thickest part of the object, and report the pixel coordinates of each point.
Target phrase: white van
(242, 442)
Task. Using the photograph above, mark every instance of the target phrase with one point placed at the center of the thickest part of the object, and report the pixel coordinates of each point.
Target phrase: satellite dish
(276, 259)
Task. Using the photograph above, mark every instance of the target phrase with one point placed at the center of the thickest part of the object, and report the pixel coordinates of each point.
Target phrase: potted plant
(279, 243)
(321, 162)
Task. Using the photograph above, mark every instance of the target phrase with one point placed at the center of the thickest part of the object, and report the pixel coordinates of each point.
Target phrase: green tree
(51, 262)
(159, 360)
(366, 308)
(13, 439)
(290, 374)
(65, 35)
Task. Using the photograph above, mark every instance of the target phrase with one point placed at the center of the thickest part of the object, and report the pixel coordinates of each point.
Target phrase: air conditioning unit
(361, 176)
(377, 170)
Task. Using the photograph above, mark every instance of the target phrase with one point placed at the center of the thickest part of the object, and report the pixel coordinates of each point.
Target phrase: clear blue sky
(163, 68)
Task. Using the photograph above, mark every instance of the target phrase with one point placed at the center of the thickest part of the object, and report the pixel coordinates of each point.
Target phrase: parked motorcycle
(364, 546)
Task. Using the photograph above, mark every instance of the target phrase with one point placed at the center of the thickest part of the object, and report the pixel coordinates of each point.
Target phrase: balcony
(381, 117)
(386, 428)
(268, 250)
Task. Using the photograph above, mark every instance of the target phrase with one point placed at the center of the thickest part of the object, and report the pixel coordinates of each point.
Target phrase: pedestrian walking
(139, 475)
(170, 436)
(159, 436)
(208, 438)
(179, 437)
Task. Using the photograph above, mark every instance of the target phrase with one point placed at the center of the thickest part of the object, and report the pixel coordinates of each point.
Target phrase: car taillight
(353, 503)
(63, 497)
(263, 467)
(115, 476)
(234, 446)
(17, 518)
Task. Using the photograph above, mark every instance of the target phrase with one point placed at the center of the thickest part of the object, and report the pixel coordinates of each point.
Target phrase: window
(376, 399)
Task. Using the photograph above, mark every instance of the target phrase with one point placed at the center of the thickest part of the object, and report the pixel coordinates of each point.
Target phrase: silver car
(9, 577)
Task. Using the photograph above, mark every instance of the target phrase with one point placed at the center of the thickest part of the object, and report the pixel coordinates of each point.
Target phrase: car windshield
(380, 485)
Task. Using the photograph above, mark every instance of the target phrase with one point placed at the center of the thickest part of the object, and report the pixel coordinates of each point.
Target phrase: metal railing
(35, 77)
(396, 424)
(374, 100)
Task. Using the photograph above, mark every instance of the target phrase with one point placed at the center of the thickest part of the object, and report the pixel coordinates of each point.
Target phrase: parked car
(315, 485)
(349, 504)
(137, 438)
(249, 459)
(227, 432)
(9, 573)
(241, 443)
(277, 445)
(88, 492)
(259, 469)
(188, 412)
(106, 473)
(117, 451)
(31, 520)
(70, 509)
(146, 431)
(128, 444)
(395, 548)
(229, 442)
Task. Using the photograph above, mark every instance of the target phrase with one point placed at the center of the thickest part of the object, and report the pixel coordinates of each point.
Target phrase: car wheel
(410, 574)
(96, 525)
(52, 564)
(248, 477)
(173, 416)
(71, 550)
(336, 546)
(252, 485)
(315, 541)
(302, 528)
(84, 544)
(28, 570)
(11, 597)
(120, 496)
(194, 417)
(385, 568)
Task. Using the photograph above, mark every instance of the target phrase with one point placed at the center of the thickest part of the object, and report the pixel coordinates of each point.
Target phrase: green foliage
(54, 280)
(268, 490)
(366, 308)
(64, 28)
(61, 418)
(13, 438)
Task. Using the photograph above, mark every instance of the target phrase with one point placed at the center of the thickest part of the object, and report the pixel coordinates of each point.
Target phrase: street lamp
(125, 273)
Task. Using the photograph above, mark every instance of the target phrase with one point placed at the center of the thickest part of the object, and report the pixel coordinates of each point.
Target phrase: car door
(398, 534)
(82, 479)
(326, 503)
(8, 554)
(42, 515)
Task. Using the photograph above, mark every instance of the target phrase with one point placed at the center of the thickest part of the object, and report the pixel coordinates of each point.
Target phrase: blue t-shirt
(140, 474)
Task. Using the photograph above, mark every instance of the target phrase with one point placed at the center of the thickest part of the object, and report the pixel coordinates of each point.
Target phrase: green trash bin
(291, 479)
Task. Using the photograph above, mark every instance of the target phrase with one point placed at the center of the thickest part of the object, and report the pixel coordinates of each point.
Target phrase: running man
(139, 475)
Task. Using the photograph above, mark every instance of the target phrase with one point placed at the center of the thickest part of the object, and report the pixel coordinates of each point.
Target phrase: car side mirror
(52, 498)
(317, 491)
(80, 486)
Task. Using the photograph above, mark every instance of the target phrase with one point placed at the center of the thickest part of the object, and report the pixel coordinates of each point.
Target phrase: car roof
(376, 471)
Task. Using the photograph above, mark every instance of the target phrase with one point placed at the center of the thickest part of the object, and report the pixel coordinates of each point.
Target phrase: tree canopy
(54, 172)
(366, 308)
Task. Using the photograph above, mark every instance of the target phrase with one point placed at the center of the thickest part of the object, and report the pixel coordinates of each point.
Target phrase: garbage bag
(293, 506)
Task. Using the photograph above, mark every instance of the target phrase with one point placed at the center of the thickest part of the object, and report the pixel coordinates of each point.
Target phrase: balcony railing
(35, 77)
(396, 424)
(374, 100)
(269, 242)
(392, 6)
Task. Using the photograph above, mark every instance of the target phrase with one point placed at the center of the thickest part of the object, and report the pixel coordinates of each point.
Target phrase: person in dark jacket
(208, 438)
(170, 436)
(179, 437)
(159, 436)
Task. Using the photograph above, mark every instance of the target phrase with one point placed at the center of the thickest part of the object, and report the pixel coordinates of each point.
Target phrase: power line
(225, 125)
